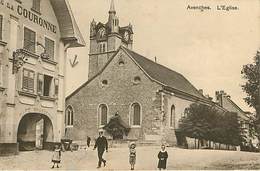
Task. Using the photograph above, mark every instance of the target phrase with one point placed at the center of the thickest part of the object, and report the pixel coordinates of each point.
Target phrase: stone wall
(180, 105)
(120, 93)
(8, 149)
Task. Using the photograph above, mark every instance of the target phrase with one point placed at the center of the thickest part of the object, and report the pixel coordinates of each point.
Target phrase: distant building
(225, 101)
(32, 95)
(149, 98)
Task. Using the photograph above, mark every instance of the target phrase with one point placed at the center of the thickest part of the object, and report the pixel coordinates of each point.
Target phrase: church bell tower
(105, 39)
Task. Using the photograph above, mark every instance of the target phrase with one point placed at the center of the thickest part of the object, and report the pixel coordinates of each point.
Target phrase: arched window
(100, 48)
(69, 116)
(136, 114)
(172, 117)
(104, 47)
(103, 114)
(186, 112)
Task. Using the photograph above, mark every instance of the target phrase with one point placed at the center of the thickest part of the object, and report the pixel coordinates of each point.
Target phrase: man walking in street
(101, 145)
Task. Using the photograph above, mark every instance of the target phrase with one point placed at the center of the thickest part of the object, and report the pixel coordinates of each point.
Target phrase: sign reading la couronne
(31, 16)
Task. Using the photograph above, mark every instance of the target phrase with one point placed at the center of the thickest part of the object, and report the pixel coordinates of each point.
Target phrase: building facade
(244, 118)
(150, 98)
(34, 38)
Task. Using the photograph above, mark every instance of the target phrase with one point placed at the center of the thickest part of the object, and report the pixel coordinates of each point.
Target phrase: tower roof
(112, 7)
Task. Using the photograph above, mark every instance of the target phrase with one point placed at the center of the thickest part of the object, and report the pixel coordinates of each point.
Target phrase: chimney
(155, 59)
(219, 95)
(222, 92)
(201, 91)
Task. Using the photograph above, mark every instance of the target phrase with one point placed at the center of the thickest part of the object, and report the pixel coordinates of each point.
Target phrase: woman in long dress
(162, 156)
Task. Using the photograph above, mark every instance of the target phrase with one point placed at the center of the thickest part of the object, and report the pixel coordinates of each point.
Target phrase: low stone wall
(216, 146)
(7, 149)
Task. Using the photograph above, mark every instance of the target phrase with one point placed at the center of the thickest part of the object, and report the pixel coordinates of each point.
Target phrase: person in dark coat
(101, 145)
(88, 141)
(162, 156)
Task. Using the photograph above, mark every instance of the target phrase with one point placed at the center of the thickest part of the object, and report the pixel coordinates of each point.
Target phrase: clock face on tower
(126, 36)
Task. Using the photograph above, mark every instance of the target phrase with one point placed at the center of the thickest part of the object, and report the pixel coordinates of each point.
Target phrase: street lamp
(43, 55)
(19, 57)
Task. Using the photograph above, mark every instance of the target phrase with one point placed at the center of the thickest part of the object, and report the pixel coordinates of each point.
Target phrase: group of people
(162, 157)
(101, 145)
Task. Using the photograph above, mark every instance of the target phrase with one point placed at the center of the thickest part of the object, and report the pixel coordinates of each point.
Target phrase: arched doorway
(35, 131)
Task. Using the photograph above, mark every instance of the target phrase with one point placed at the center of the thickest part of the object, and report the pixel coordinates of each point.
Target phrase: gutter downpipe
(66, 47)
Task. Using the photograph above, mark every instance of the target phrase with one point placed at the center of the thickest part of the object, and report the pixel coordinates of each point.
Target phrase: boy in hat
(132, 155)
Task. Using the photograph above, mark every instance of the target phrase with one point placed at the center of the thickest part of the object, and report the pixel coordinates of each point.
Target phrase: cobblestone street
(117, 159)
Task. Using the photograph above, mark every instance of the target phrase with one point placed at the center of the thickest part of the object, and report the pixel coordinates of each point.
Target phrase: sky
(209, 48)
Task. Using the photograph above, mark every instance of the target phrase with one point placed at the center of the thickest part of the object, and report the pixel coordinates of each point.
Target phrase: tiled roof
(165, 75)
(155, 71)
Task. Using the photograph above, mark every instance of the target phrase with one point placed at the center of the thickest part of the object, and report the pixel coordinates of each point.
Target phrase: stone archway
(35, 131)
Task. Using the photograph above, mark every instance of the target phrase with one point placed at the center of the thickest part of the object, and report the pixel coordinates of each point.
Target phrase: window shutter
(28, 80)
(49, 47)
(26, 38)
(29, 40)
(25, 80)
(56, 86)
(40, 84)
(31, 81)
(36, 5)
(1, 27)
(32, 41)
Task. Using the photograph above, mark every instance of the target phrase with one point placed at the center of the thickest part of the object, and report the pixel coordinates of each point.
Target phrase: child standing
(132, 155)
(56, 157)
(162, 156)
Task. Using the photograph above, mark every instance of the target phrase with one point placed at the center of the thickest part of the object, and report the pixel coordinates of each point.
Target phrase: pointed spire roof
(112, 7)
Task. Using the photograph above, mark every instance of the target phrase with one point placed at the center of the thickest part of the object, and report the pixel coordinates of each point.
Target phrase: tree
(205, 122)
(195, 124)
(251, 73)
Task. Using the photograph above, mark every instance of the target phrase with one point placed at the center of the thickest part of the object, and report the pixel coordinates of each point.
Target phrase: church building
(148, 97)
